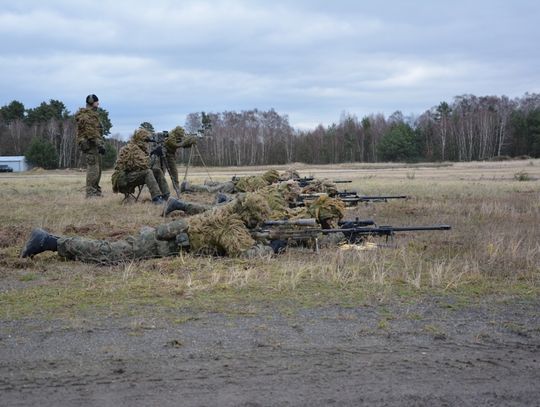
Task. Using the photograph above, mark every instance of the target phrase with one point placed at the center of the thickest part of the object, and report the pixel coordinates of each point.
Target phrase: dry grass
(493, 247)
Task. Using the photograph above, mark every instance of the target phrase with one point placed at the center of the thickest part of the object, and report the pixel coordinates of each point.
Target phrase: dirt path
(430, 353)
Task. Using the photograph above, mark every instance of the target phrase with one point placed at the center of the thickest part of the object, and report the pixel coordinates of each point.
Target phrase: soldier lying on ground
(224, 230)
(132, 169)
(238, 184)
(280, 198)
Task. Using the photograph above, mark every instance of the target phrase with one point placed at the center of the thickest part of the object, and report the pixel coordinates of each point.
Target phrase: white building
(17, 162)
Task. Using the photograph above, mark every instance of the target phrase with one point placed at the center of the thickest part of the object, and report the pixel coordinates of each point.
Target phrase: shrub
(41, 153)
(109, 158)
(522, 176)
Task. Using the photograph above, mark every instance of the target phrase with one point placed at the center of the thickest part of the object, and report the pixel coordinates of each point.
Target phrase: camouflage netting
(250, 184)
(173, 140)
(279, 196)
(140, 138)
(271, 176)
(255, 182)
(219, 231)
(328, 211)
(132, 158)
(252, 208)
(88, 126)
(289, 174)
(321, 186)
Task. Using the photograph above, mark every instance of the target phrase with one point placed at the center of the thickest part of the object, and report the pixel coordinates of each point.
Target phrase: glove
(158, 151)
(101, 150)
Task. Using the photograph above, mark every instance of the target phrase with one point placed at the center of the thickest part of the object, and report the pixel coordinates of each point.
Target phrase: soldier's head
(140, 138)
(252, 208)
(289, 190)
(271, 176)
(92, 101)
(178, 133)
(289, 174)
(328, 211)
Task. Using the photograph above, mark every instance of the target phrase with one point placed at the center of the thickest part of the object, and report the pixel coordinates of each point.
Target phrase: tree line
(465, 129)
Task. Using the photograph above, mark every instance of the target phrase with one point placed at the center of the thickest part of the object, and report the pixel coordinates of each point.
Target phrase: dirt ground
(459, 347)
(434, 352)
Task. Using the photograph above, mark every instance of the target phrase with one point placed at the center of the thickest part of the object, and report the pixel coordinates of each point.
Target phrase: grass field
(492, 249)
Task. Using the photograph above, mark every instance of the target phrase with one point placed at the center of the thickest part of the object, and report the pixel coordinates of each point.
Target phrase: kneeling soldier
(132, 169)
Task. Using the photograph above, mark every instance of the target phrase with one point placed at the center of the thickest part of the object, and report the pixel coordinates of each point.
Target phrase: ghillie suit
(132, 169)
(241, 184)
(89, 133)
(289, 174)
(324, 186)
(328, 211)
(175, 139)
(221, 231)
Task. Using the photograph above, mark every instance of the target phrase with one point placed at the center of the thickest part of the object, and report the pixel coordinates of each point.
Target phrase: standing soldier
(174, 140)
(91, 143)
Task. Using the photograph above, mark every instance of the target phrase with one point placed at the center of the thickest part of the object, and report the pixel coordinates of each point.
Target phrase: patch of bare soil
(430, 353)
(12, 235)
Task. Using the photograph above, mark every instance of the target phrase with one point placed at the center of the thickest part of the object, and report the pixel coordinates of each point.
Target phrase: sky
(157, 61)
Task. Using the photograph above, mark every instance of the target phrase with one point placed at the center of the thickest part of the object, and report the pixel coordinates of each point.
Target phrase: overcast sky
(159, 60)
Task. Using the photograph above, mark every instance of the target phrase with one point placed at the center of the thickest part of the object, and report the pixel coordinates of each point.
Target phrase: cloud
(311, 60)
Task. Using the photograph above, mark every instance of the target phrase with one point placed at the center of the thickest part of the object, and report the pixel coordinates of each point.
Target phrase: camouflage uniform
(279, 197)
(242, 184)
(222, 231)
(324, 186)
(175, 139)
(90, 140)
(132, 168)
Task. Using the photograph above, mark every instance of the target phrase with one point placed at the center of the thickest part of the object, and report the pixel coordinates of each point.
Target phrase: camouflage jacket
(89, 128)
(132, 158)
(174, 142)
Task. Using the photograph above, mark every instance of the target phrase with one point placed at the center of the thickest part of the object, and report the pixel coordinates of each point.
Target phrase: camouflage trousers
(194, 208)
(128, 181)
(226, 187)
(149, 243)
(170, 158)
(93, 172)
(161, 181)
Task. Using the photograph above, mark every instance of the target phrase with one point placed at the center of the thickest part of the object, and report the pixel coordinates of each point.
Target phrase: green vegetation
(41, 153)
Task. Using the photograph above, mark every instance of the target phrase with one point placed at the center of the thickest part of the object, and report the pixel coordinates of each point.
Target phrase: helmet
(90, 99)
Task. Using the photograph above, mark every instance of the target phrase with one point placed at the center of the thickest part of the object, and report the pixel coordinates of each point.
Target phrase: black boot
(39, 241)
(158, 200)
(184, 186)
(222, 198)
(174, 204)
(166, 196)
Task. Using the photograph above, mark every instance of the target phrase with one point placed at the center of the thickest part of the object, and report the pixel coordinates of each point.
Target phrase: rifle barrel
(386, 230)
(292, 222)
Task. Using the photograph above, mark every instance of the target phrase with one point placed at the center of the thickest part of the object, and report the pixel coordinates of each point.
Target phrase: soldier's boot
(184, 186)
(158, 200)
(166, 196)
(174, 204)
(39, 241)
(222, 198)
